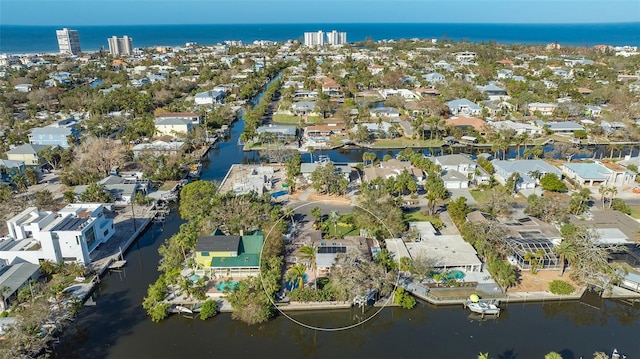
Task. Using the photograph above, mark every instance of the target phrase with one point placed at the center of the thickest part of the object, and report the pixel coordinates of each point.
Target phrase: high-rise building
(68, 41)
(336, 38)
(120, 46)
(312, 39)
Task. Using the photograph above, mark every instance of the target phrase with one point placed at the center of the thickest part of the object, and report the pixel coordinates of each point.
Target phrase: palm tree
(483, 356)
(317, 215)
(296, 274)
(553, 355)
(612, 192)
(603, 193)
(334, 217)
(522, 139)
(567, 252)
(536, 175)
(309, 253)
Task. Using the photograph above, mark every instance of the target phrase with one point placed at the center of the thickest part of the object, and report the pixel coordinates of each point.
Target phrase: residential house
(385, 112)
(446, 252)
(61, 133)
(303, 108)
(545, 109)
(592, 111)
(504, 170)
(391, 169)
(10, 169)
(465, 56)
(328, 249)
(323, 132)
(612, 127)
(434, 78)
(304, 94)
(404, 93)
(464, 107)
(13, 277)
(376, 69)
(530, 243)
(27, 153)
(193, 118)
(331, 87)
(468, 124)
(599, 173)
(379, 130)
(121, 189)
(566, 128)
(518, 128)
(173, 126)
(504, 74)
(454, 180)
(493, 92)
(281, 133)
(70, 236)
(158, 148)
(456, 162)
(443, 65)
(23, 87)
(306, 169)
(209, 97)
(225, 256)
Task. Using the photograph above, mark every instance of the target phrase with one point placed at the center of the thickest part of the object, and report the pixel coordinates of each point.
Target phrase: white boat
(485, 308)
(182, 309)
(616, 355)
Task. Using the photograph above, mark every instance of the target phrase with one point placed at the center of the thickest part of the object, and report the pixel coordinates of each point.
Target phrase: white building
(120, 46)
(336, 38)
(68, 41)
(70, 236)
(312, 39)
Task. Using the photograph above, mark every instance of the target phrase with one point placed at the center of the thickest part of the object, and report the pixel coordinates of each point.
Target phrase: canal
(117, 327)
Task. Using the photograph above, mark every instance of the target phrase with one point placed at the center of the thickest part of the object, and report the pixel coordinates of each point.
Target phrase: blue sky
(131, 12)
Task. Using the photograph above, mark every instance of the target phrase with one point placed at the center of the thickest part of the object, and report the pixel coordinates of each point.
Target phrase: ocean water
(31, 39)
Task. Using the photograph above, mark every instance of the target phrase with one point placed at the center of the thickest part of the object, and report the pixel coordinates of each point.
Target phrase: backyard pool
(292, 285)
(455, 274)
(224, 285)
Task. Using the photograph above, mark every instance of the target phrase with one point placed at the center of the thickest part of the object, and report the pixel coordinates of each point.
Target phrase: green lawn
(343, 230)
(416, 216)
(635, 211)
(294, 120)
(478, 195)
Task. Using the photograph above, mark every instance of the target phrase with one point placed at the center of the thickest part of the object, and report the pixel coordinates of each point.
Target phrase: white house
(209, 97)
(599, 173)
(545, 109)
(464, 107)
(70, 236)
(519, 128)
(434, 78)
(504, 170)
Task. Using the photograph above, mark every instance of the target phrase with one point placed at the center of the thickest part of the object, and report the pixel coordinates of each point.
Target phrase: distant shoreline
(21, 39)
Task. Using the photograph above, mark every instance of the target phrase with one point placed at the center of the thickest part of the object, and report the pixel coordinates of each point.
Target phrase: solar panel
(331, 249)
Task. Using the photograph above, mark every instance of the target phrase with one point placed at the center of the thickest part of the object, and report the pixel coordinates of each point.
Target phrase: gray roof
(454, 176)
(51, 131)
(304, 105)
(463, 102)
(11, 163)
(15, 275)
(589, 171)
(172, 121)
(451, 160)
(562, 126)
(524, 167)
(69, 224)
(218, 243)
(310, 167)
(27, 149)
(287, 130)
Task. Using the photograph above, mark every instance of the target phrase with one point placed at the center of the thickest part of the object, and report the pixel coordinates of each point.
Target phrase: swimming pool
(292, 285)
(224, 285)
(455, 274)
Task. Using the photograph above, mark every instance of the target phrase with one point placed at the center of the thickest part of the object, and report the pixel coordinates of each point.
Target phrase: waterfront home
(545, 109)
(456, 162)
(444, 252)
(504, 170)
(306, 169)
(598, 173)
(328, 250)
(173, 127)
(518, 128)
(189, 117)
(121, 189)
(226, 256)
(158, 148)
(463, 107)
(13, 277)
(10, 169)
(27, 153)
(378, 130)
(391, 169)
(565, 128)
(281, 133)
(612, 127)
(468, 125)
(321, 133)
(70, 236)
(209, 97)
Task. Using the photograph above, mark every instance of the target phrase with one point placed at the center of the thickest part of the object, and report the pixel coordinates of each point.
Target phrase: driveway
(462, 192)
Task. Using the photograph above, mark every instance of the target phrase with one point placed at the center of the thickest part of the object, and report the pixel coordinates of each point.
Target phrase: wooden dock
(117, 265)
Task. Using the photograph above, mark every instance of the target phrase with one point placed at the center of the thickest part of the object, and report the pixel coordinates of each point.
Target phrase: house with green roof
(220, 255)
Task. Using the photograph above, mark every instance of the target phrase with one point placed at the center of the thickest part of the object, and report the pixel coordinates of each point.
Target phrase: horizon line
(339, 23)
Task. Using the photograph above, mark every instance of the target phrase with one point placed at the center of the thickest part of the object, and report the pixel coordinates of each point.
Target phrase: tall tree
(566, 252)
(309, 253)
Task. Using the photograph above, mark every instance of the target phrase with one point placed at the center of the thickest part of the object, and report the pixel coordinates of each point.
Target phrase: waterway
(117, 327)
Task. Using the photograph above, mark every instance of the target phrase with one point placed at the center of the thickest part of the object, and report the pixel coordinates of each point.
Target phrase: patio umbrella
(474, 298)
